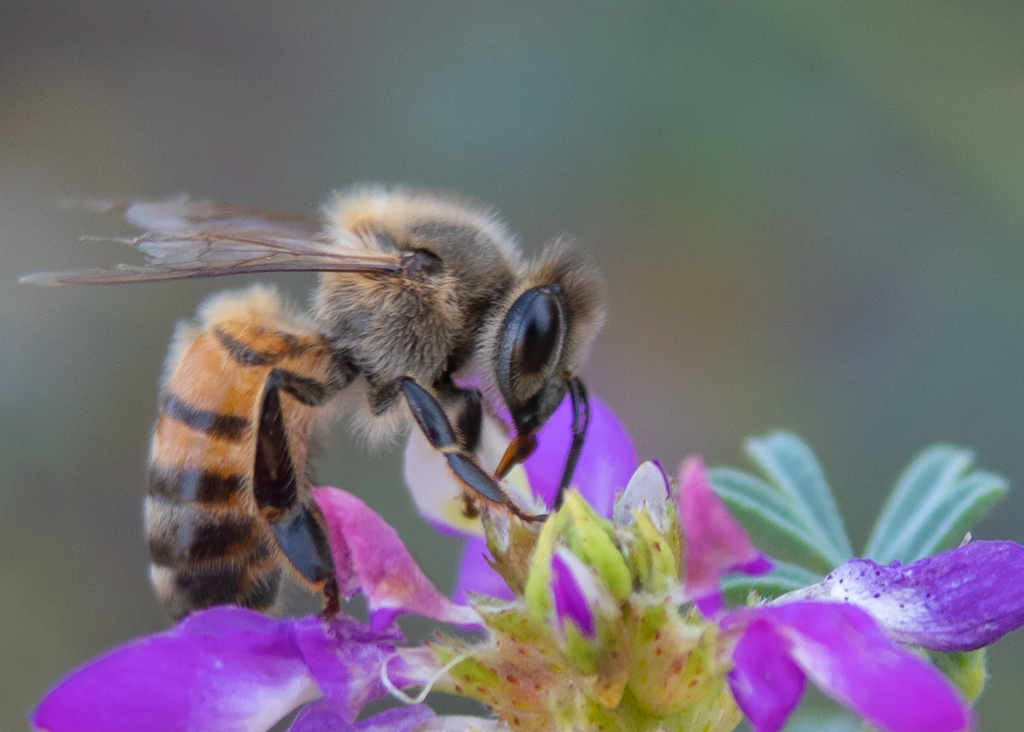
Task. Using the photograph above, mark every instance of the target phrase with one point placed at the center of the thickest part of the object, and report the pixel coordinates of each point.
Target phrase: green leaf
(782, 579)
(968, 501)
(932, 505)
(791, 465)
(768, 516)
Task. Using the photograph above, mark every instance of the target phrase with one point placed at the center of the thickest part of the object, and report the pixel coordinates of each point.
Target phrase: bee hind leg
(292, 517)
(438, 430)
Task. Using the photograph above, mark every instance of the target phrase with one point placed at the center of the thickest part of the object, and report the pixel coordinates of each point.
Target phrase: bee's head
(544, 332)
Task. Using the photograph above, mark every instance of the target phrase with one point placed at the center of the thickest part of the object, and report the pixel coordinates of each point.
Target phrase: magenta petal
(606, 462)
(226, 668)
(765, 682)
(345, 658)
(476, 575)
(848, 656)
(959, 600)
(388, 575)
(715, 543)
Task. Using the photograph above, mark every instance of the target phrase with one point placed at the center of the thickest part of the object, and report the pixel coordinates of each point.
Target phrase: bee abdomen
(187, 532)
(205, 545)
(196, 485)
(184, 589)
(223, 426)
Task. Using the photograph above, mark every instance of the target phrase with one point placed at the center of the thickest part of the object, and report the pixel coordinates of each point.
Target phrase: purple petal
(324, 716)
(226, 668)
(476, 575)
(848, 656)
(388, 575)
(606, 462)
(345, 658)
(765, 682)
(959, 600)
(320, 716)
(715, 543)
(567, 573)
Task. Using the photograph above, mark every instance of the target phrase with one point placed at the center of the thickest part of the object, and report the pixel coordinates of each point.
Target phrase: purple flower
(228, 668)
(848, 656)
(960, 600)
(841, 648)
(225, 668)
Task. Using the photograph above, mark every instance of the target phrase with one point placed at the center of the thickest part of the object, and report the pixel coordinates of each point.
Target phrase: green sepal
(651, 557)
(470, 677)
(965, 669)
(537, 588)
(510, 542)
(592, 539)
(511, 617)
(673, 658)
(603, 660)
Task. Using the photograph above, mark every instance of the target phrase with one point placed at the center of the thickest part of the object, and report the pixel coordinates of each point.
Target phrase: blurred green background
(810, 216)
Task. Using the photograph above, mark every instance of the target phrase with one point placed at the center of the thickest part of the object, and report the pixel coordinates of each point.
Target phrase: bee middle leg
(295, 523)
(438, 430)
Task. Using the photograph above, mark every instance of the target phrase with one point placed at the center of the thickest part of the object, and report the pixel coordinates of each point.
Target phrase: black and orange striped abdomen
(209, 541)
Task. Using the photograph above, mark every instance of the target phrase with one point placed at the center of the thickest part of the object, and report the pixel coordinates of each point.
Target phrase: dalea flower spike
(643, 603)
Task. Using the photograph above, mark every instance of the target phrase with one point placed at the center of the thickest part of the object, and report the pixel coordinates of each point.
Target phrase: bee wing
(186, 239)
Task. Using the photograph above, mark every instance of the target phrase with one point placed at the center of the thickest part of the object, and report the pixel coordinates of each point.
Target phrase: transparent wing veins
(189, 239)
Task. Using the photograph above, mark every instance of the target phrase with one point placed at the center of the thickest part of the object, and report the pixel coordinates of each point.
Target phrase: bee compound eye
(536, 327)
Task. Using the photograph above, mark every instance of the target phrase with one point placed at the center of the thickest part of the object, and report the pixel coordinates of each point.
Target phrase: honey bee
(426, 310)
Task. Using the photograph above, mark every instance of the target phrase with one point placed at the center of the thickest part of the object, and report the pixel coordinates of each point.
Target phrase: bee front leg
(580, 420)
(438, 430)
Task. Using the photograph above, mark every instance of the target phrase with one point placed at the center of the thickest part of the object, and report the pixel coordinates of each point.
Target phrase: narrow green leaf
(768, 516)
(967, 502)
(789, 462)
(925, 484)
(782, 579)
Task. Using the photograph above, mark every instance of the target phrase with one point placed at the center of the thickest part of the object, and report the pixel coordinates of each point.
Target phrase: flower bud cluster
(598, 635)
